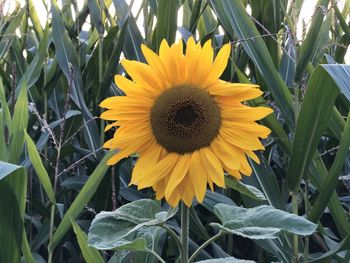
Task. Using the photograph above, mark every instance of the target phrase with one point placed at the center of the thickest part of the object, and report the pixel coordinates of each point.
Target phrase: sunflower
(186, 124)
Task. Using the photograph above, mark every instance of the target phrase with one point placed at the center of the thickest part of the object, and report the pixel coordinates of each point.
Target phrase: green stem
(206, 243)
(295, 236)
(52, 218)
(184, 232)
(306, 201)
(155, 254)
(100, 68)
(175, 237)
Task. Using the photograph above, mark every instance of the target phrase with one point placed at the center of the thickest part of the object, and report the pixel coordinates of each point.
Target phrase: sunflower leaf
(261, 222)
(244, 189)
(132, 226)
(225, 260)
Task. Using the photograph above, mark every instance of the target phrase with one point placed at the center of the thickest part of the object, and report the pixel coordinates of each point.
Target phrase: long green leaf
(81, 200)
(27, 254)
(133, 40)
(10, 33)
(308, 48)
(66, 56)
(39, 168)
(35, 20)
(166, 21)
(91, 254)
(340, 75)
(313, 119)
(18, 124)
(332, 178)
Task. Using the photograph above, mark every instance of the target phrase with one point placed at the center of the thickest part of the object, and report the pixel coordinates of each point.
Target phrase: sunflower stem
(155, 254)
(184, 232)
(295, 236)
(174, 236)
(206, 243)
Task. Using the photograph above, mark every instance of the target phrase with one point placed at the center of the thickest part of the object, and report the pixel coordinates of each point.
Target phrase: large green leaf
(313, 119)
(236, 22)
(225, 260)
(128, 226)
(81, 200)
(262, 222)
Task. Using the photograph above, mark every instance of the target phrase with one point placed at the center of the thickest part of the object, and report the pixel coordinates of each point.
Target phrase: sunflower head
(186, 124)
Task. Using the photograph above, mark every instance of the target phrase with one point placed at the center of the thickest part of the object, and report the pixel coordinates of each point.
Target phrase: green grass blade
(39, 168)
(308, 48)
(318, 175)
(35, 20)
(27, 254)
(235, 20)
(111, 68)
(66, 56)
(3, 145)
(4, 106)
(331, 181)
(10, 33)
(81, 200)
(166, 21)
(91, 254)
(18, 124)
(312, 121)
(133, 40)
(95, 15)
(340, 74)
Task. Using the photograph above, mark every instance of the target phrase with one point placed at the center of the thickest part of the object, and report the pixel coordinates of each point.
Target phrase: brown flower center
(185, 118)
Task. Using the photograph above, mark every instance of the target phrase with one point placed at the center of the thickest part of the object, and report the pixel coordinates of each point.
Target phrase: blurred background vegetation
(53, 75)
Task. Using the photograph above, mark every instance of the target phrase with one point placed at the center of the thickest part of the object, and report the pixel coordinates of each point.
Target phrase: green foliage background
(53, 176)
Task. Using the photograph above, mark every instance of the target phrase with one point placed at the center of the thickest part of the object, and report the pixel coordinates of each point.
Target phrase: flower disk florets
(185, 118)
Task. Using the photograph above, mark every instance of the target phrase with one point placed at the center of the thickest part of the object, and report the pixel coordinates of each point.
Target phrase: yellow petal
(219, 64)
(250, 129)
(146, 159)
(213, 166)
(179, 172)
(110, 126)
(130, 88)
(187, 191)
(144, 75)
(245, 113)
(241, 140)
(253, 156)
(156, 63)
(235, 91)
(167, 58)
(225, 155)
(174, 199)
(198, 176)
(162, 169)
